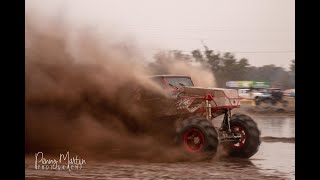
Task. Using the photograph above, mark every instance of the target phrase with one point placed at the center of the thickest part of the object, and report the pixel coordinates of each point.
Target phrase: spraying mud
(82, 104)
(79, 91)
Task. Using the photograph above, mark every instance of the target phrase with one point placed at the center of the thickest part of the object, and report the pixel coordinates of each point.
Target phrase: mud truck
(193, 110)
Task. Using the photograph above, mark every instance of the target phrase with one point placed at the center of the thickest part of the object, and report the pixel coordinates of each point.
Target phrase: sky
(262, 31)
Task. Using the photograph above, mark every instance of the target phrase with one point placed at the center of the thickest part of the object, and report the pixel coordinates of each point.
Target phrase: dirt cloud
(79, 83)
(80, 101)
(167, 63)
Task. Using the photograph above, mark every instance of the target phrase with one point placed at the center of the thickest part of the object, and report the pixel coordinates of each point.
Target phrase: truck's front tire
(198, 137)
(249, 143)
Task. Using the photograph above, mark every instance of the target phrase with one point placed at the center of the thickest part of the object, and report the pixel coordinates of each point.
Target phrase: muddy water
(274, 160)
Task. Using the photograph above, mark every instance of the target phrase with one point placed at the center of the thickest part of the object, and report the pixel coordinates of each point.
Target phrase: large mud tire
(198, 137)
(250, 141)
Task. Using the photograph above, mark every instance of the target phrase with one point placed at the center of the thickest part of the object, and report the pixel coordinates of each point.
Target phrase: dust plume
(79, 93)
(168, 63)
(81, 101)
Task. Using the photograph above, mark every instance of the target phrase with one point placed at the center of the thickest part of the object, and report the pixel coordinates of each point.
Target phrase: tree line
(226, 67)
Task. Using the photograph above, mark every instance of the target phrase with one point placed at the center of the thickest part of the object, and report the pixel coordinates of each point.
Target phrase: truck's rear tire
(198, 137)
(249, 143)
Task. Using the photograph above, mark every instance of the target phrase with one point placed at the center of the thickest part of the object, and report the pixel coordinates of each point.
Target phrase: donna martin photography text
(64, 162)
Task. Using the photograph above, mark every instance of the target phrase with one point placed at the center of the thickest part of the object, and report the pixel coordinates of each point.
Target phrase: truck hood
(216, 92)
(222, 98)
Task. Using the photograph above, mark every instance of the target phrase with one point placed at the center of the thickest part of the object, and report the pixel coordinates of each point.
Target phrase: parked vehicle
(271, 96)
(289, 92)
(249, 94)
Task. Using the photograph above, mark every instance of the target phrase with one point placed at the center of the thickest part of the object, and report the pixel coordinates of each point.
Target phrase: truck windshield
(179, 81)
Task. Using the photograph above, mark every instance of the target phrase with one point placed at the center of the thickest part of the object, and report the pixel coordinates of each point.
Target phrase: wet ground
(274, 160)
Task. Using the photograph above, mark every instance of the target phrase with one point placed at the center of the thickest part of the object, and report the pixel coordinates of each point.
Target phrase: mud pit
(274, 160)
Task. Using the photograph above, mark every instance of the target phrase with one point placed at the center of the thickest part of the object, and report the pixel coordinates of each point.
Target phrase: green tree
(292, 72)
(293, 65)
(197, 55)
(226, 67)
(179, 55)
